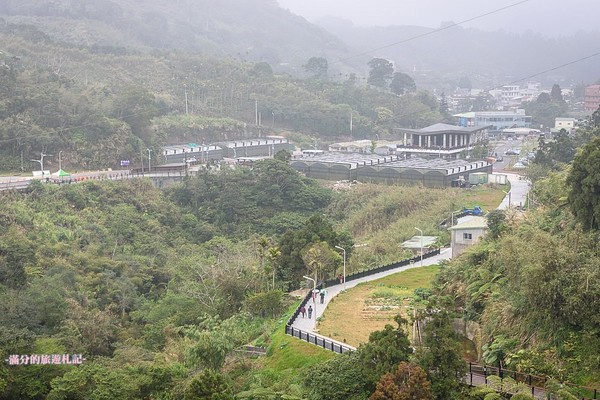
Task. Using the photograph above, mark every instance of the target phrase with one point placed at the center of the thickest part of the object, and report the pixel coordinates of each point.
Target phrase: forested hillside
(534, 284)
(148, 291)
(439, 59)
(256, 30)
(155, 289)
(99, 106)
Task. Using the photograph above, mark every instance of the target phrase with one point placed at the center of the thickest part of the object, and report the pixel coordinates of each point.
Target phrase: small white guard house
(467, 234)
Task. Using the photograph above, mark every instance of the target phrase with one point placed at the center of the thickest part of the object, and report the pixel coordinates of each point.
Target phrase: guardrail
(383, 268)
(481, 371)
(318, 340)
(537, 383)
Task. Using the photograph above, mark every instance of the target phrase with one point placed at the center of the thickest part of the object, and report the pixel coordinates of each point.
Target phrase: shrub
(480, 393)
(269, 304)
(492, 396)
(522, 396)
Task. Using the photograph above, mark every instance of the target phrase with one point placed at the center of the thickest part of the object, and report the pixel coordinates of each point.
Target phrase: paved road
(519, 189)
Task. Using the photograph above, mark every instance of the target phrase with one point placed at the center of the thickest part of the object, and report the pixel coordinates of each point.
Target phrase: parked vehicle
(477, 210)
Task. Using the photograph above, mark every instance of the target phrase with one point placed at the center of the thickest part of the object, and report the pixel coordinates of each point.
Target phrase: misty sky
(549, 17)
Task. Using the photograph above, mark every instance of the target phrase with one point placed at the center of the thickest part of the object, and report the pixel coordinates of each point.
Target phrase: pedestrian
(341, 278)
(309, 312)
(303, 311)
(322, 294)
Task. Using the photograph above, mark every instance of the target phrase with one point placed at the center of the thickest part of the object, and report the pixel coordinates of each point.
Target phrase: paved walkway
(518, 197)
(308, 325)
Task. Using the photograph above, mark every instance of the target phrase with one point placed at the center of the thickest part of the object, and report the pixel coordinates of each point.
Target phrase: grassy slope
(385, 216)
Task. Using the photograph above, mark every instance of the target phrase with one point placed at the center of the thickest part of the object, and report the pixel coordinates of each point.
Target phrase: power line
(554, 68)
(165, 108)
(434, 31)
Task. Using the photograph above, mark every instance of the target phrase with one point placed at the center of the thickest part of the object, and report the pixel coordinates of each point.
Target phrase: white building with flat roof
(497, 120)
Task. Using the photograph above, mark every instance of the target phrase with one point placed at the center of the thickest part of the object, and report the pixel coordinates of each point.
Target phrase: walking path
(517, 195)
(308, 325)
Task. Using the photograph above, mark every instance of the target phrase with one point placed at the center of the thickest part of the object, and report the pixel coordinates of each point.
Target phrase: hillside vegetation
(534, 284)
(100, 107)
(157, 288)
(255, 30)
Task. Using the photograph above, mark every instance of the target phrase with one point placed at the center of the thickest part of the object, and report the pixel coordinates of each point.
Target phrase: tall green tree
(320, 260)
(338, 379)
(496, 221)
(440, 355)
(584, 179)
(380, 73)
(556, 94)
(402, 83)
(317, 67)
(208, 385)
(384, 351)
(294, 243)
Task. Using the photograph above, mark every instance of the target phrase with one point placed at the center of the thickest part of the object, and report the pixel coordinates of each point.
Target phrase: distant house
(356, 146)
(592, 98)
(467, 234)
(567, 124)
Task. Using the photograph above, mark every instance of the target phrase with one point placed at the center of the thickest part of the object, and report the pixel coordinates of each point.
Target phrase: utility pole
(186, 100)
(256, 112)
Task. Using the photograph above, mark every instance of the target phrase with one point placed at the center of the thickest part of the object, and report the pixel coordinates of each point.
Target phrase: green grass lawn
(287, 352)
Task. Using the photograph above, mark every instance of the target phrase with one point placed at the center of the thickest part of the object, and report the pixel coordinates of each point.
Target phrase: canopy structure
(61, 173)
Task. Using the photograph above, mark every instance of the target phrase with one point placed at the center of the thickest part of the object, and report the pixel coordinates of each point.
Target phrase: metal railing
(318, 340)
(305, 335)
(537, 383)
(481, 371)
(383, 268)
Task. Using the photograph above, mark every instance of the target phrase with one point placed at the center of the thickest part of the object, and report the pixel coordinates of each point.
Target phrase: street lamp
(149, 158)
(314, 296)
(41, 161)
(59, 160)
(344, 250)
(452, 218)
(421, 233)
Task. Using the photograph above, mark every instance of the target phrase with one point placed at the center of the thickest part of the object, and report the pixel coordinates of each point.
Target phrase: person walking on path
(310, 312)
(341, 278)
(303, 311)
(322, 295)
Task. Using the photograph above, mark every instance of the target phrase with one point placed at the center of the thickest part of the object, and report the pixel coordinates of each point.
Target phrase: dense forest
(99, 107)
(156, 289)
